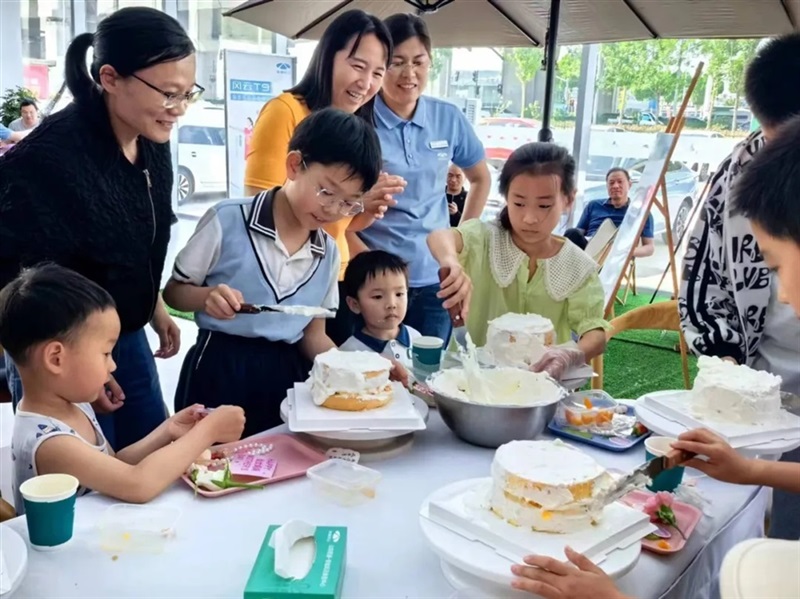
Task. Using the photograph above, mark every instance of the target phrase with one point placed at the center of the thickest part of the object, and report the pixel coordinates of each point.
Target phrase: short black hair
(536, 158)
(404, 26)
(333, 137)
(368, 265)
(618, 169)
(768, 190)
(44, 303)
(316, 86)
(772, 80)
(28, 102)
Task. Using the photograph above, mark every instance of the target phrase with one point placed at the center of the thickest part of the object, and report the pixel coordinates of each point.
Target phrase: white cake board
(473, 553)
(398, 415)
(674, 405)
(13, 560)
(661, 425)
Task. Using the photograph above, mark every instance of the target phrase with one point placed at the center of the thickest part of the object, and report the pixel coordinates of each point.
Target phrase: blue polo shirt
(597, 211)
(420, 151)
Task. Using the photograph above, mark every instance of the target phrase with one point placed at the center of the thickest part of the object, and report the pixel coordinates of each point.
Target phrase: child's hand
(182, 422)
(223, 302)
(577, 579)
(724, 463)
(399, 373)
(380, 198)
(226, 423)
(455, 288)
(556, 361)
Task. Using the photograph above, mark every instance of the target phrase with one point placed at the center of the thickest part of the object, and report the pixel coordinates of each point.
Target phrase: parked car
(201, 153)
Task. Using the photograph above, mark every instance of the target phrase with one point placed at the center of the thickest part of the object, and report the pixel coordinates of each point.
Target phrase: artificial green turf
(635, 362)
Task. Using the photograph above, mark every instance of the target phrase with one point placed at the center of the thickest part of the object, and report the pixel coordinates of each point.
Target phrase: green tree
(569, 65)
(438, 60)
(526, 61)
(727, 60)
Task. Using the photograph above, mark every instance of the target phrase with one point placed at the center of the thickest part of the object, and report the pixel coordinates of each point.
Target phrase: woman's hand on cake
(223, 302)
(556, 361)
(724, 462)
(552, 579)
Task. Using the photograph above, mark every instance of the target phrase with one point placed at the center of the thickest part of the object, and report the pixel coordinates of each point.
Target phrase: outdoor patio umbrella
(515, 23)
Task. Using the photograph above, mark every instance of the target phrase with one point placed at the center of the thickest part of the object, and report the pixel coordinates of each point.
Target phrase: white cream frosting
(550, 467)
(727, 392)
(518, 340)
(502, 387)
(336, 371)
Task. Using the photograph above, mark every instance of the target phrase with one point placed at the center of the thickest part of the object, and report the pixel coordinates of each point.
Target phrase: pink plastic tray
(293, 457)
(687, 516)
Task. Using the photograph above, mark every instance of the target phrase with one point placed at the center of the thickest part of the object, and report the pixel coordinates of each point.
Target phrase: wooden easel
(674, 127)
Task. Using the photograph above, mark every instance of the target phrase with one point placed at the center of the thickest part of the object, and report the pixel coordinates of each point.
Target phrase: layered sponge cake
(727, 392)
(351, 381)
(546, 486)
(519, 340)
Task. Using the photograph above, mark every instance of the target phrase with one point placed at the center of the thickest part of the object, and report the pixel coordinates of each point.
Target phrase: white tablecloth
(218, 539)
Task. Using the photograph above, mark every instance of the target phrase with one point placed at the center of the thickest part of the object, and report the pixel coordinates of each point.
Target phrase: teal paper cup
(426, 356)
(49, 509)
(669, 480)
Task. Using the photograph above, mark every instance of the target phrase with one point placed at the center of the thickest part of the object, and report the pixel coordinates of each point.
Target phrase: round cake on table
(351, 381)
(515, 338)
(728, 392)
(546, 486)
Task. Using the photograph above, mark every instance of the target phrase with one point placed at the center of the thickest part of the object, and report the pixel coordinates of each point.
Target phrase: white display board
(251, 80)
(641, 200)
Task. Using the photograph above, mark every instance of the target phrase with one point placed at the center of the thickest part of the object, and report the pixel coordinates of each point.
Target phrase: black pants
(576, 237)
(785, 516)
(253, 373)
(341, 328)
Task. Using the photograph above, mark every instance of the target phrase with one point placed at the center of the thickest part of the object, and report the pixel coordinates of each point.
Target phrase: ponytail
(80, 84)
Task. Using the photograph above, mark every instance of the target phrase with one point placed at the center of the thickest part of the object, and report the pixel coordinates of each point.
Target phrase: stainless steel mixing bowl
(491, 425)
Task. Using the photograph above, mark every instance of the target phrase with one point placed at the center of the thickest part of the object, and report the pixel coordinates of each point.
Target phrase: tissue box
(323, 581)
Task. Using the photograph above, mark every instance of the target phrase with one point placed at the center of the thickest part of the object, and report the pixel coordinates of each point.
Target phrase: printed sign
(259, 466)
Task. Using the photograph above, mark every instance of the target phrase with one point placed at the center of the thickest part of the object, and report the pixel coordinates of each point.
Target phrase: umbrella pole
(550, 58)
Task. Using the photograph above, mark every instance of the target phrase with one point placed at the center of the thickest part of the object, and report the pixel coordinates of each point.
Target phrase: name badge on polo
(439, 145)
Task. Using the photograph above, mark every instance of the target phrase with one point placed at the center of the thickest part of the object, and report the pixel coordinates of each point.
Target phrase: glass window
(46, 32)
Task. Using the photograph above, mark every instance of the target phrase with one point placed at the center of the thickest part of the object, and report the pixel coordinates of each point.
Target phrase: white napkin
(5, 580)
(289, 565)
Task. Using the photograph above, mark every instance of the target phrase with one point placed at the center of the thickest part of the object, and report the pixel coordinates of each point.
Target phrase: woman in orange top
(346, 71)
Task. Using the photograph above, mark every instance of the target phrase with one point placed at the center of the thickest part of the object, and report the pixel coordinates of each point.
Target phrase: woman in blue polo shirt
(420, 136)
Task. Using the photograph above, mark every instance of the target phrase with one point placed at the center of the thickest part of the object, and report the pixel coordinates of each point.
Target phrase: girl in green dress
(516, 264)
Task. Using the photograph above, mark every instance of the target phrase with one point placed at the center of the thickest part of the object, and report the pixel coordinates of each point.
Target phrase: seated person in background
(271, 250)
(455, 193)
(28, 116)
(618, 183)
(766, 194)
(376, 284)
(517, 265)
(60, 328)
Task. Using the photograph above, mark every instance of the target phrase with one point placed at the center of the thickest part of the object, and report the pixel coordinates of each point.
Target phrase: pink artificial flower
(654, 503)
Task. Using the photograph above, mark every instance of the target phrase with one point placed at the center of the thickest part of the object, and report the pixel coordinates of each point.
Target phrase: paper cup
(426, 356)
(49, 509)
(669, 480)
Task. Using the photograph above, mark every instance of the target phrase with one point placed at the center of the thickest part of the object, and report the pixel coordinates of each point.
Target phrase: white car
(202, 159)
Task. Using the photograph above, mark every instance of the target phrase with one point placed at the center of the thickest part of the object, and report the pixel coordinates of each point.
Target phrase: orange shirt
(266, 160)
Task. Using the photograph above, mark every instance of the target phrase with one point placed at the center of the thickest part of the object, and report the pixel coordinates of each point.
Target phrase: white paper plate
(15, 558)
(484, 562)
(365, 435)
(664, 425)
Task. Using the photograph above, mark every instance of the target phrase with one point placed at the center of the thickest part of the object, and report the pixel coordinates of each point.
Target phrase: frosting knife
(459, 326)
(312, 311)
(642, 475)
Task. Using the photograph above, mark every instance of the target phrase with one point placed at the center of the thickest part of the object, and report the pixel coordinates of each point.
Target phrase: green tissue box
(324, 579)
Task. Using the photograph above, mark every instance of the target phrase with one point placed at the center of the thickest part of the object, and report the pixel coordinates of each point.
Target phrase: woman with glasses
(345, 72)
(90, 188)
(420, 136)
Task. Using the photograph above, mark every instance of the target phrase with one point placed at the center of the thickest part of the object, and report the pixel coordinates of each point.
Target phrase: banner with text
(251, 80)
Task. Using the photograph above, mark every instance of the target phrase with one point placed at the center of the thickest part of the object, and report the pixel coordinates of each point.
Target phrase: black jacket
(69, 195)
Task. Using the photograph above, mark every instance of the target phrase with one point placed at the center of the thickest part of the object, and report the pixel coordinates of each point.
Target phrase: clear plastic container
(137, 528)
(345, 483)
(587, 410)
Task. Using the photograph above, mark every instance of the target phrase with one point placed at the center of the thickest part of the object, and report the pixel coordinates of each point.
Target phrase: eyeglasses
(416, 66)
(172, 100)
(329, 201)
